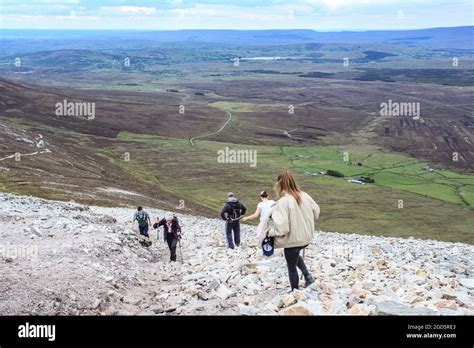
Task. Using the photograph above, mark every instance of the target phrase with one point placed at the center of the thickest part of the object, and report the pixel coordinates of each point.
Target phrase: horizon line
(246, 29)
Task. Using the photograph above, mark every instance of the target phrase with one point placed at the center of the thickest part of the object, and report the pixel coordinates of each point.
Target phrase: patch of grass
(151, 139)
(421, 186)
(247, 107)
(3, 180)
(234, 106)
(389, 170)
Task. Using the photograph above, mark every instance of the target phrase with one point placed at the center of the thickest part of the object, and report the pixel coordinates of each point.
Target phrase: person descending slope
(263, 210)
(143, 219)
(291, 223)
(231, 213)
(171, 233)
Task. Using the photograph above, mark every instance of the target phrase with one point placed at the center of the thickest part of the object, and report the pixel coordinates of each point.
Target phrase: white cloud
(140, 10)
(198, 10)
(335, 5)
(178, 14)
(73, 17)
(29, 17)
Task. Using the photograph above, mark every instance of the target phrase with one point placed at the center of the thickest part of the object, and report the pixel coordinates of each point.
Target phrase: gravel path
(60, 258)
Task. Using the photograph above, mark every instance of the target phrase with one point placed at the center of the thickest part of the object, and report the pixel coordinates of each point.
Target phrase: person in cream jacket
(291, 223)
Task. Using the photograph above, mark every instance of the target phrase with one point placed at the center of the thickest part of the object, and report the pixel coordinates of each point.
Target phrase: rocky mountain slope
(59, 258)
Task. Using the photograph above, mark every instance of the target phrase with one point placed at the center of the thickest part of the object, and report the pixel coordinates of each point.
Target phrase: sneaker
(310, 280)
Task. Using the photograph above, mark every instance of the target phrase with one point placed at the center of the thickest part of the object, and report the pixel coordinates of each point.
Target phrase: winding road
(25, 154)
(191, 140)
(39, 143)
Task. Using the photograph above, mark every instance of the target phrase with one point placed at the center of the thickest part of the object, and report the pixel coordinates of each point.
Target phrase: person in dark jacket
(231, 213)
(171, 233)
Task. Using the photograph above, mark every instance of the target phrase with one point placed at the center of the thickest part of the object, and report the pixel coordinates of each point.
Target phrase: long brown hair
(286, 183)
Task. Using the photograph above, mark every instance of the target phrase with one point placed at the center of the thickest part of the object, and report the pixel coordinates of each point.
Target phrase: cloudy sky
(230, 14)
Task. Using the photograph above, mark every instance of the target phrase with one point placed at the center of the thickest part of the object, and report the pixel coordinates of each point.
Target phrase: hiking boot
(309, 280)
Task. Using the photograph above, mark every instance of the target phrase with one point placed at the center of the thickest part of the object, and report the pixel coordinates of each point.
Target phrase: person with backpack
(231, 213)
(143, 219)
(291, 223)
(171, 233)
(263, 210)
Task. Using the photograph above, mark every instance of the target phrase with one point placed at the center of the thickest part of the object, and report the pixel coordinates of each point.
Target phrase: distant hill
(454, 37)
(460, 37)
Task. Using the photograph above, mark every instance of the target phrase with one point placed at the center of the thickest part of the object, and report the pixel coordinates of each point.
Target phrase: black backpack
(235, 210)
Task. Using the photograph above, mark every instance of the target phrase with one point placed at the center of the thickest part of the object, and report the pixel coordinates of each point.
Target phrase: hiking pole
(180, 250)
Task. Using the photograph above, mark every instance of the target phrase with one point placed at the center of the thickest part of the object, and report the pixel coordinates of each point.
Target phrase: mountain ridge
(441, 37)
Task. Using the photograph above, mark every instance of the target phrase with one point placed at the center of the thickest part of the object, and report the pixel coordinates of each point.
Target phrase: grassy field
(406, 200)
(389, 170)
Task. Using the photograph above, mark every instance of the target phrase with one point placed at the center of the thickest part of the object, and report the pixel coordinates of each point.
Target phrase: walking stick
(180, 250)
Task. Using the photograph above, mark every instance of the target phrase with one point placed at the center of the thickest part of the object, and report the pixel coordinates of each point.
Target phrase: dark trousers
(143, 230)
(232, 226)
(172, 242)
(294, 260)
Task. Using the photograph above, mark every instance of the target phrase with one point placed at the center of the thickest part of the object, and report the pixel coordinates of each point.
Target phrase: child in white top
(263, 210)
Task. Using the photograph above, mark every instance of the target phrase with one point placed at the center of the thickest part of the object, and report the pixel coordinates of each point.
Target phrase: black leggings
(293, 260)
(172, 241)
